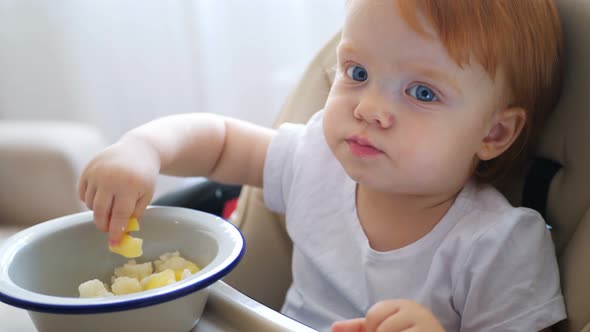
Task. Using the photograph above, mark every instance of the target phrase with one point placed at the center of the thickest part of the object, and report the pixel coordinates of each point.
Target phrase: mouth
(361, 147)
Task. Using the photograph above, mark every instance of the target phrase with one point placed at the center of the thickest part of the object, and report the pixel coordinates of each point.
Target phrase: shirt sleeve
(279, 166)
(510, 280)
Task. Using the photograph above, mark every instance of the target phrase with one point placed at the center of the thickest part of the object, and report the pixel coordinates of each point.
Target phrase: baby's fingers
(142, 205)
(351, 325)
(82, 186)
(381, 312)
(103, 202)
(399, 322)
(123, 207)
(89, 196)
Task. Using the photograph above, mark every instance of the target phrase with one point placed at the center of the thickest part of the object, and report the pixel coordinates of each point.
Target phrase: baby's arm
(200, 144)
(119, 182)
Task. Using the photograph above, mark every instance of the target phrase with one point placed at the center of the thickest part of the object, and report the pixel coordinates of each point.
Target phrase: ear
(506, 126)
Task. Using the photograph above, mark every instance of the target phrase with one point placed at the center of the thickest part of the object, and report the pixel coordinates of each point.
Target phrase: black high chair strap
(537, 182)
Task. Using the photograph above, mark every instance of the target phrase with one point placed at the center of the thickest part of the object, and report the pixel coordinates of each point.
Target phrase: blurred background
(76, 74)
(116, 64)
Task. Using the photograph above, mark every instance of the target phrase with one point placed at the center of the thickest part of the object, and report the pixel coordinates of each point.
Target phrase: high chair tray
(227, 310)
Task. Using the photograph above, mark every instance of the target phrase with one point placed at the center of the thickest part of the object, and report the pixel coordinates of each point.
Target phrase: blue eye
(422, 93)
(357, 73)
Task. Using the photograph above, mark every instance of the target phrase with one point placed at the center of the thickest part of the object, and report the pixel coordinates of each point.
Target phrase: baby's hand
(392, 316)
(119, 183)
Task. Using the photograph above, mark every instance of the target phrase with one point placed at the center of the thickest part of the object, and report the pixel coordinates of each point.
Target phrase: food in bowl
(41, 266)
(133, 277)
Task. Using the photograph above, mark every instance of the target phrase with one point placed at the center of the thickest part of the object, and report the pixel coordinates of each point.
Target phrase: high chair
(556, 184)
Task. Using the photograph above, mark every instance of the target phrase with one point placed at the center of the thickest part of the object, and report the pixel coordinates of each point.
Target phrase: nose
(375, 111)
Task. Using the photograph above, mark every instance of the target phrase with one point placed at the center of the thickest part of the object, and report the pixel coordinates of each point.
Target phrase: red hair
(521, 38)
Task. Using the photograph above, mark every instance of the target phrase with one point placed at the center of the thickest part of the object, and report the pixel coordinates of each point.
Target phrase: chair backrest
(557, 183)
(560, 174)
(265, 270)
(40, 162)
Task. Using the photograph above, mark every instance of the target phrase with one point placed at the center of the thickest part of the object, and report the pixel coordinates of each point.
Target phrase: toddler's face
(402, 116)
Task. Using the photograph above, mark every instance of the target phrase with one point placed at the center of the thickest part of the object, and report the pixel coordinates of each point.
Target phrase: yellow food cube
(144, 281)
(185, 274)
(169, 260)
(173, 261)
(129, 247)
(93, 288)
(133, 270)
(161, 279)
(189, 267)
(125, 285)
(133, 225)
(178, 274)
(192, 267)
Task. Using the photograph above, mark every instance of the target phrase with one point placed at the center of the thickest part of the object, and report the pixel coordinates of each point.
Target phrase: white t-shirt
(486, 266)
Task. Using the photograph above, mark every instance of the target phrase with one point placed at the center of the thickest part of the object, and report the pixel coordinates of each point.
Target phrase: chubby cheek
(337, 112)
(339, 103)
(438, 158)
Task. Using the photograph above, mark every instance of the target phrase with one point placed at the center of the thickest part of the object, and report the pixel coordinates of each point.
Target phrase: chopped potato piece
(191, 268)
(129, 247)
(161, 279)
(144, 281)
(176, 263)
(133, 225)
(185, 274)
(133, 277)
(93, 288)
(126, 285)
(133, 270)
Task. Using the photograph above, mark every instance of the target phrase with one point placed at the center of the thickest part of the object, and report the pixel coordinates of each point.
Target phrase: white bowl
(42, 266)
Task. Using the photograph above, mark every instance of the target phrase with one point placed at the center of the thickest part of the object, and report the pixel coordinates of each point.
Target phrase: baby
(387, 190)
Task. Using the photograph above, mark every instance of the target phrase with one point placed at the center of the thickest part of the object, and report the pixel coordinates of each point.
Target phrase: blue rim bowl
(42, 266)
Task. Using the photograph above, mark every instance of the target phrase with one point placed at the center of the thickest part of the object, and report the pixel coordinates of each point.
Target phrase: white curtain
(119, 63)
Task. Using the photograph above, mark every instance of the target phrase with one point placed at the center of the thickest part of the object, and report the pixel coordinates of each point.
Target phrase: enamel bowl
(42, 266)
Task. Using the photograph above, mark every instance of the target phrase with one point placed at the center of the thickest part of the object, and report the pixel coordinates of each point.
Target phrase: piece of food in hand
(174, 262)
(132, 225)
(125, 285)
(133, 270)
(93, 288)
(161, 279)
(130, 247)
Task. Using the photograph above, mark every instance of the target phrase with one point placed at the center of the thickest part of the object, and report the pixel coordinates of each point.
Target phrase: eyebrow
(345, 48)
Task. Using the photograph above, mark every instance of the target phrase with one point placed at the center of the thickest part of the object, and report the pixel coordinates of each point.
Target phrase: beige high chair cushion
(264, 273)
(40, 162)
(265, 270)
(565, 141)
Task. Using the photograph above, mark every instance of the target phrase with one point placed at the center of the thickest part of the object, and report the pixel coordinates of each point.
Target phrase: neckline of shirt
(449, 220)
